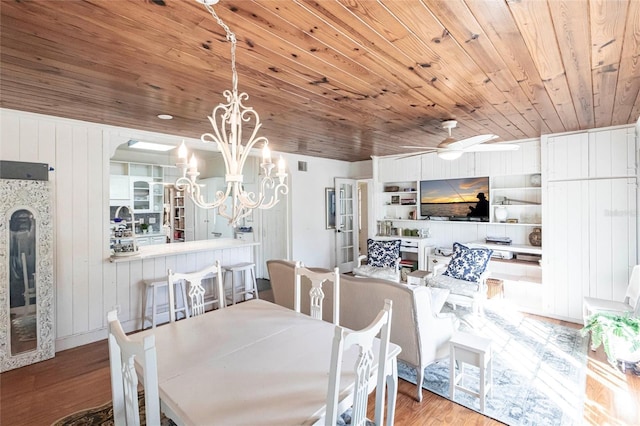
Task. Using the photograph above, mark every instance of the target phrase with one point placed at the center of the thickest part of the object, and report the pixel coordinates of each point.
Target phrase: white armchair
(465, 277)
(383, 260)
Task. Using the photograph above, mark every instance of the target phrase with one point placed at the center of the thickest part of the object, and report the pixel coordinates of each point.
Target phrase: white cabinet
(590, 215)
(119, 190)
(137, 185)
(413, 249)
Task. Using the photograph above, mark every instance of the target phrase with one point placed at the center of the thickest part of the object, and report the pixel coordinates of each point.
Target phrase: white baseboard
(69, 342)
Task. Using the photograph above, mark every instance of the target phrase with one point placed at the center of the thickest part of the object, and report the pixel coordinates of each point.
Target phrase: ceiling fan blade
(416, 147)
(413, 154)
(493, 147)
(473, 140)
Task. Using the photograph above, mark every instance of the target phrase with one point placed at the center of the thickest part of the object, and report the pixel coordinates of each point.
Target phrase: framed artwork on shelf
(330, 207)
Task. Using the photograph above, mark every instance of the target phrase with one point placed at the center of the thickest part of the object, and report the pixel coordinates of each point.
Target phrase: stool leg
(255, 283)
(154, 306)
(144, 306)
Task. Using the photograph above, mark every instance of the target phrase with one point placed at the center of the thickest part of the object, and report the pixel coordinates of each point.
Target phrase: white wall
(312, 243)
(87, 285)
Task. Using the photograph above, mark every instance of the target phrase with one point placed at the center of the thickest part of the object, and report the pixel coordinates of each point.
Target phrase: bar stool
(241, 268)
(152, 288)
(474, 350)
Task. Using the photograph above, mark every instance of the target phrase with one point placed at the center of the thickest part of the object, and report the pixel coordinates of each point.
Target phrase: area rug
(539, 369)
(25, 328)
(103, 416)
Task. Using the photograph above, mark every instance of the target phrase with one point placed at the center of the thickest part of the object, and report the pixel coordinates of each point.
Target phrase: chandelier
(227, 119)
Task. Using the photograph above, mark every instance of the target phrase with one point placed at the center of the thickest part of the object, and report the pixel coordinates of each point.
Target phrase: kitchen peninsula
(228, 245)
(151, 263)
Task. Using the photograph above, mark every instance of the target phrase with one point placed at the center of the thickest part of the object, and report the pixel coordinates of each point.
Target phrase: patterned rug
(539, 369)
(103, 416)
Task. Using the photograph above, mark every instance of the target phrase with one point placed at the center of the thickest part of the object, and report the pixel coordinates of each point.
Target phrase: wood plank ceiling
(341, 79)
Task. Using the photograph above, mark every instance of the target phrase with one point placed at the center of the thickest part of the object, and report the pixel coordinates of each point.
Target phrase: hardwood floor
(78, 378)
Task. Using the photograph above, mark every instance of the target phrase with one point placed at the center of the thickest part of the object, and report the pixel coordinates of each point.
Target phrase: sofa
(416, 325)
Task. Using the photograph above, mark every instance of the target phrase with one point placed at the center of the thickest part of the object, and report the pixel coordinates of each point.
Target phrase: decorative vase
(535, 237)
(500, 214)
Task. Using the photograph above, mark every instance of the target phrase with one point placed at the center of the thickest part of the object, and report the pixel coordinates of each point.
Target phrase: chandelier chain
(231, 36)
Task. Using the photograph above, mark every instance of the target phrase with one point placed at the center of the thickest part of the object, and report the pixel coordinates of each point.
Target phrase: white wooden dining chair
(366, 379)
(316, 295)
(124, 379)
(196, 291)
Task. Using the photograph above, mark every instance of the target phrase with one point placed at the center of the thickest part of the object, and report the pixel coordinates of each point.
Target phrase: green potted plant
(144, 227)
(618, 334)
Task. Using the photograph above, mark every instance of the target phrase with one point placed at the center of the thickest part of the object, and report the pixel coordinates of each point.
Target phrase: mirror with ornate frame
(26, 292)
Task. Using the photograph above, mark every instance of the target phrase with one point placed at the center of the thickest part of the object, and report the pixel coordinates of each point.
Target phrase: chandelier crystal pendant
(227, 120)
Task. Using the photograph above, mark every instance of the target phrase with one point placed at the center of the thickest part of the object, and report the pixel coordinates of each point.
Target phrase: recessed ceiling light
(150, 146)
(165, 116)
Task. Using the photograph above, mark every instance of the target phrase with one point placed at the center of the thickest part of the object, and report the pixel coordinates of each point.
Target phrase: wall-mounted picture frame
(330, 207)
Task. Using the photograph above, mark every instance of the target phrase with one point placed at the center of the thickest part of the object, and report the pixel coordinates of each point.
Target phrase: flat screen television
(455, 199)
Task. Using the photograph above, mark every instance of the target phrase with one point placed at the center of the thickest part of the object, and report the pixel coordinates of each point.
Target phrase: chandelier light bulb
(281, 166)
(182, 152)
(266, 154)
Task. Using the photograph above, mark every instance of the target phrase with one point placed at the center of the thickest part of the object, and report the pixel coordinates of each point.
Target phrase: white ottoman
(466, 348)
(417, 277)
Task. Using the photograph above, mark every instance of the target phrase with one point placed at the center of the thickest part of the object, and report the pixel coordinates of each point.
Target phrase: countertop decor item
(535, 237)
(500, 214)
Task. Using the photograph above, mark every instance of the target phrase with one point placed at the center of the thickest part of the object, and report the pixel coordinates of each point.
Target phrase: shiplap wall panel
(78, 226)
(64, 230)
(47, 145)
(122, 288)
(28, 140)
(97, 220)
(10, 134)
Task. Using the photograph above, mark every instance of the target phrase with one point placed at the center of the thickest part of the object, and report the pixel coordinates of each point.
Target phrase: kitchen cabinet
(137, 185)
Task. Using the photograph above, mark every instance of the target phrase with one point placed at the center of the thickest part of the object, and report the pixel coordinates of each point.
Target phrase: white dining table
(253, 363)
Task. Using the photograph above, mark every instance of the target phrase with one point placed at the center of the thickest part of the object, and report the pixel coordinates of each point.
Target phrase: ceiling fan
(451, 149)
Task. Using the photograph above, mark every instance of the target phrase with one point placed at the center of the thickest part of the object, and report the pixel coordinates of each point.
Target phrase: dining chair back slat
(365, 382)
(196, 291)
(316, 295)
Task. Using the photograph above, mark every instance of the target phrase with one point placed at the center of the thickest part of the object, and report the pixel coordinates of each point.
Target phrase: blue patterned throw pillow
(468, 263)
(382, 254)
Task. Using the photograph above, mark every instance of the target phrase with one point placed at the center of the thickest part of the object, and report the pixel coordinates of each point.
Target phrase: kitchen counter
(162, 250)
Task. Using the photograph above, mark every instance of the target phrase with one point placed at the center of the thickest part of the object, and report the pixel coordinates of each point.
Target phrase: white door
(346, 224)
